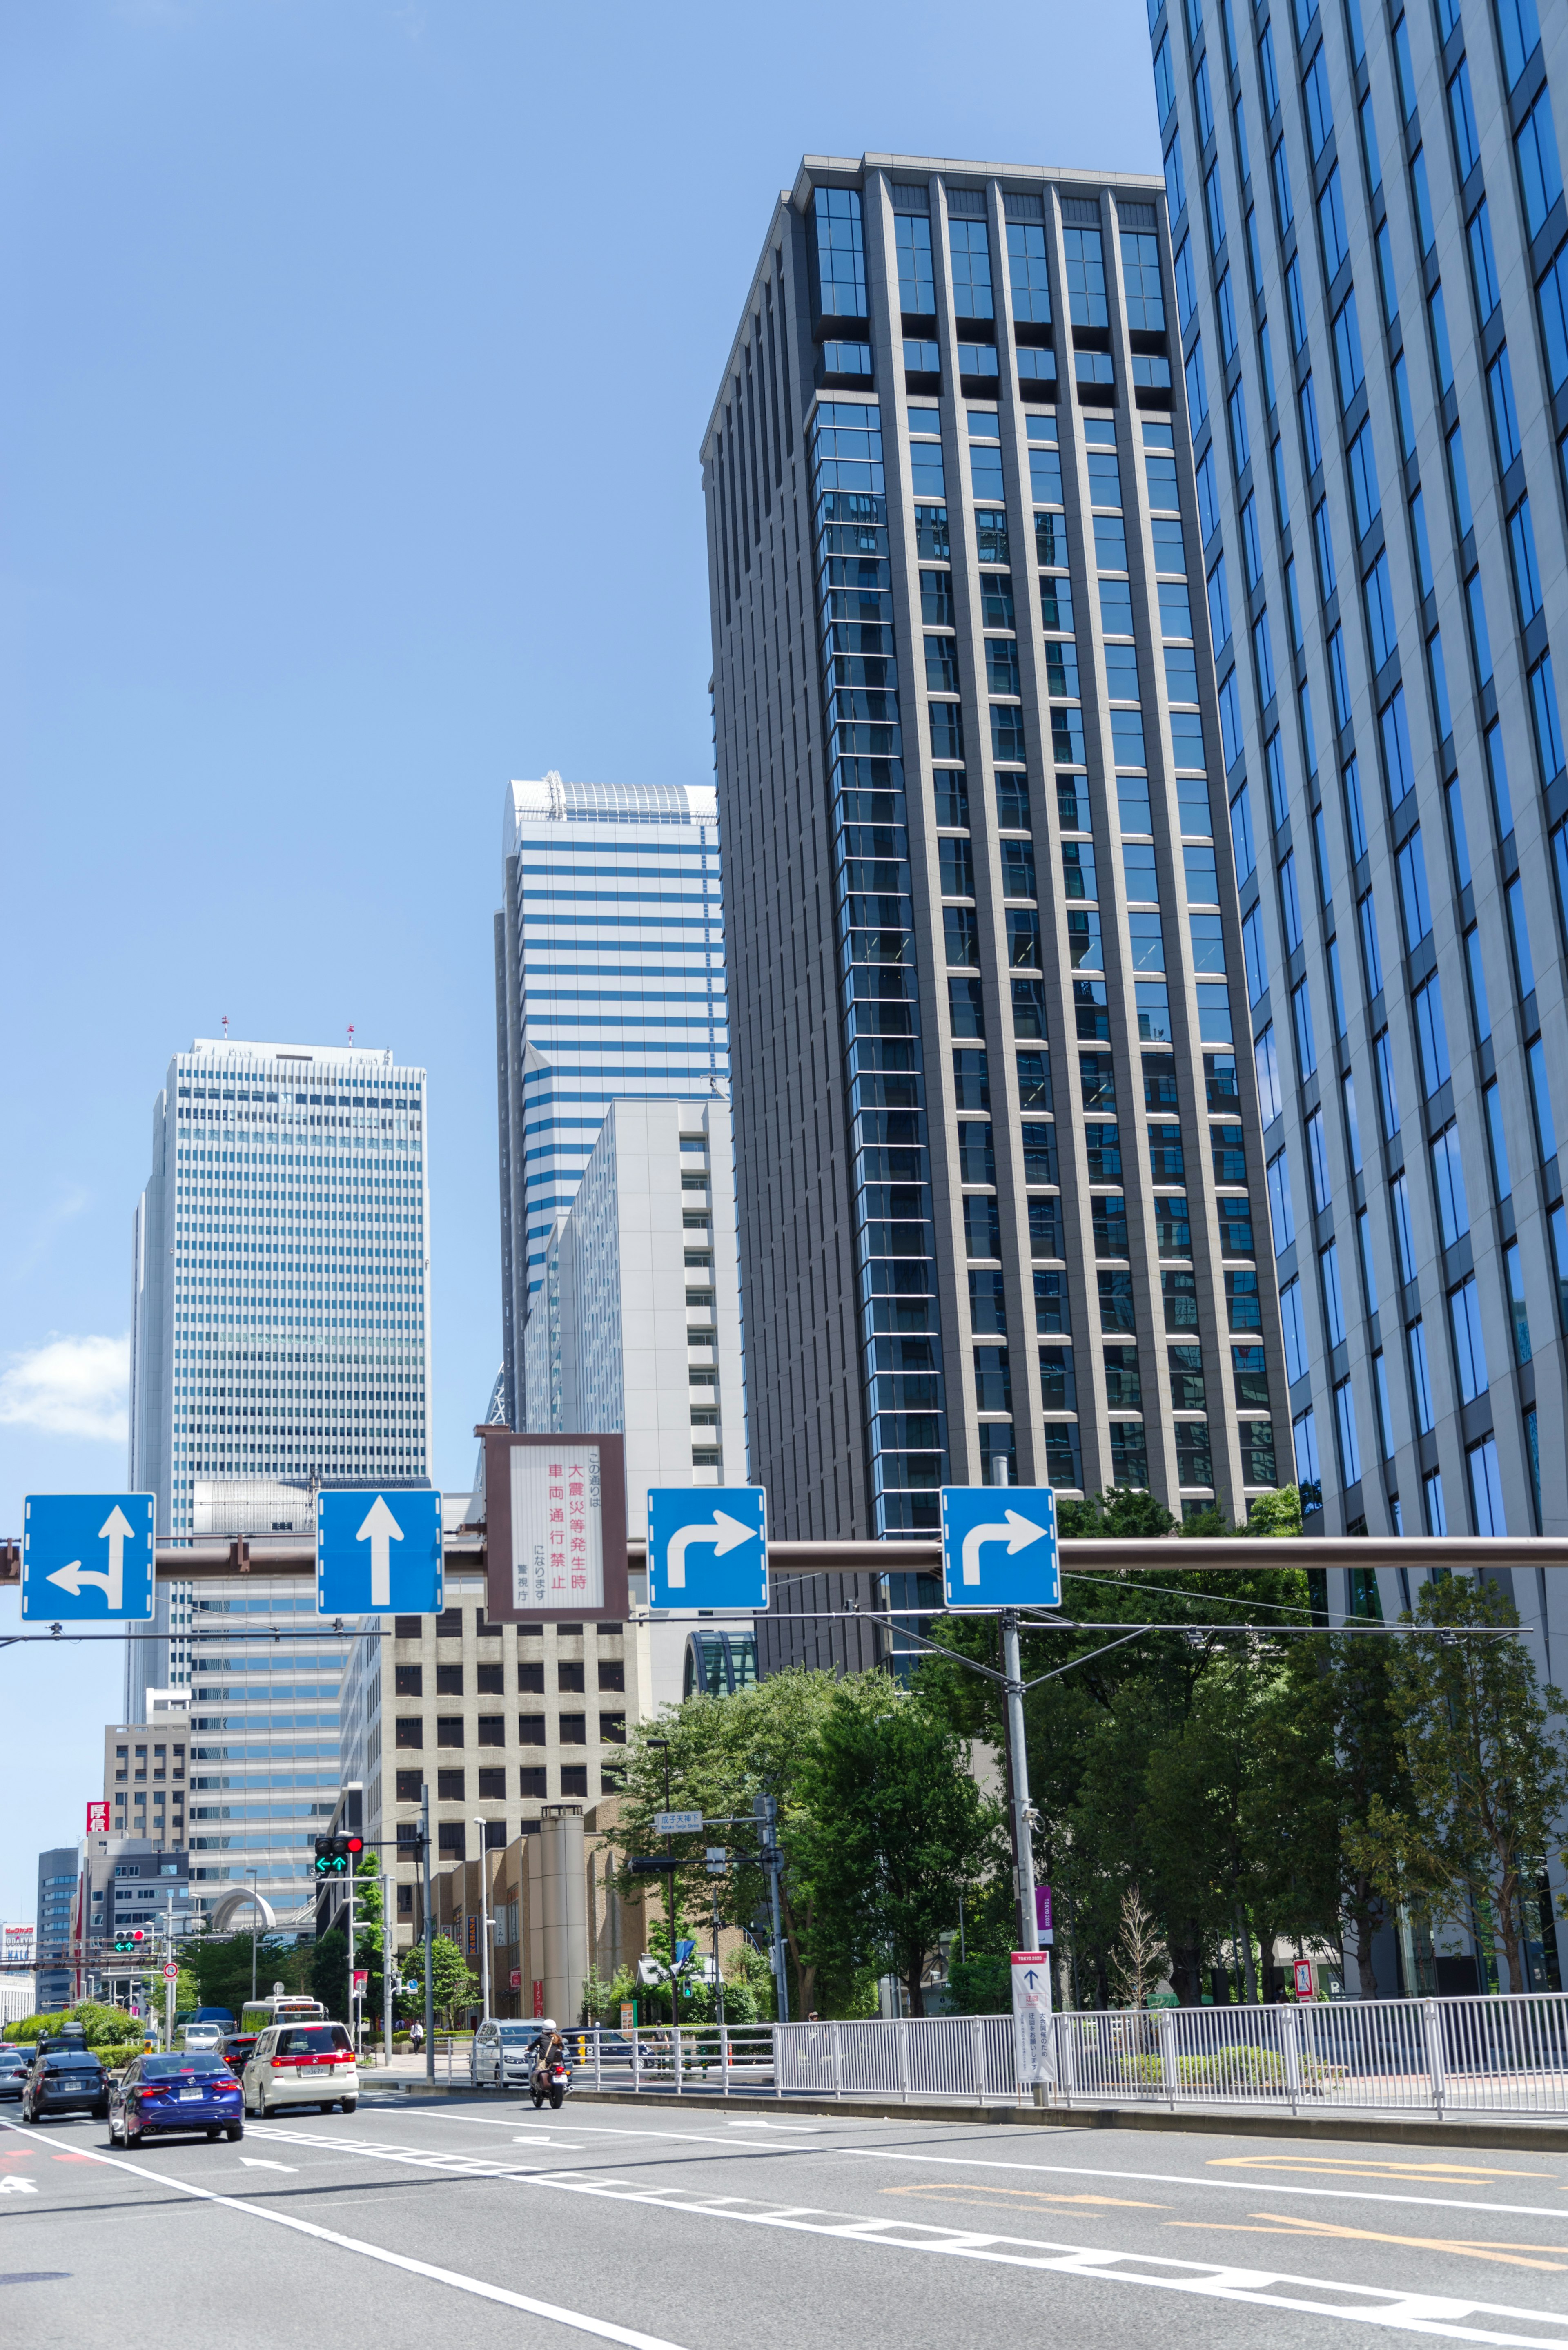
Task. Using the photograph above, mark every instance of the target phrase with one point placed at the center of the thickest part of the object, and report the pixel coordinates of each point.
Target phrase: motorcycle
(551, 2081)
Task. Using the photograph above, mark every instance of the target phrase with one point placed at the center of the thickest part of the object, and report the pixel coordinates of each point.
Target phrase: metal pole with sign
(998, 1558)
(353, 2030)
(387, 1968)
(483, 1919)
(430, 1981)
(767, 1810)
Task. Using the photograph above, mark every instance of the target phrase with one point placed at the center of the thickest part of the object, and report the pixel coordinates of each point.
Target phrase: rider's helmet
(546, 2023)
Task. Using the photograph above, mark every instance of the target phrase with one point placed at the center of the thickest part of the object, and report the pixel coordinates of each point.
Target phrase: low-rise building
(500, 1722)
(144, 1775)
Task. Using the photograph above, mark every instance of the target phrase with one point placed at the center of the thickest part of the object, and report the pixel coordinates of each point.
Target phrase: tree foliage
(1467, 1832)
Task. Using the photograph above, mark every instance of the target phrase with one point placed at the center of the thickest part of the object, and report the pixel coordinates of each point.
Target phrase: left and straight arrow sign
(88, 1557)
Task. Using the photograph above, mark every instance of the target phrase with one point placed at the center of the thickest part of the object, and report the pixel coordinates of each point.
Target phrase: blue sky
(358, 361)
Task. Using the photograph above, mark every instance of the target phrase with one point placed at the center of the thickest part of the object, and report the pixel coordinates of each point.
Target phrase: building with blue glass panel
(609, 984)
(998, 1163)
(1371, 262)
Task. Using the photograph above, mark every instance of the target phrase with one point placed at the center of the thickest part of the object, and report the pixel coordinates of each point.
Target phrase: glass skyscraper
(999, 1163)
(609, 984)
(279, 1342)
(1371, 261)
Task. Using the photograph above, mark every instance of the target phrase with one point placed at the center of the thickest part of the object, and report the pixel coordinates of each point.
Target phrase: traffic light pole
(353, 2026)
(430, 1981)
(387, 1968)
(1028, 1924)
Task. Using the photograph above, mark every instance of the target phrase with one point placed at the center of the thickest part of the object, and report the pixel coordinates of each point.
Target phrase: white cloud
(69, 1387)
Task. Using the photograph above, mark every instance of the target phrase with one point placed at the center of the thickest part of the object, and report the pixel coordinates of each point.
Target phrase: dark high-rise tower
(998, 1160)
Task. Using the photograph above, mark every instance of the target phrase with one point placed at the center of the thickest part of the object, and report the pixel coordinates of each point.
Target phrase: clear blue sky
(357, 357)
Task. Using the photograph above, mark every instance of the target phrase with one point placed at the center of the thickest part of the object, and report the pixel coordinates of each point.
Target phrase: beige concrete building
(502, 1722)
(144, 1774)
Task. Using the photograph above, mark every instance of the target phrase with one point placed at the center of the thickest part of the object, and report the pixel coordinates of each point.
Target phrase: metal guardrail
(1429, 2056)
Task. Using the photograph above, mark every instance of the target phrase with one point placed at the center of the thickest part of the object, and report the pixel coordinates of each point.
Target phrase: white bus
(281, 2007)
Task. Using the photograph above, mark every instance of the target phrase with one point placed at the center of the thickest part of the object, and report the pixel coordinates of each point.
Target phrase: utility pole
(430, 1980)
(484, 1921)
(1022, 1825)
(387, 1968)
(353, 2026)
(670, 1891)
(171, 1982)
(253, 1874)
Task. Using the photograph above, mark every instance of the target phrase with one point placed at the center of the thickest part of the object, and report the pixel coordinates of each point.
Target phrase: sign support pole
(387, 1968)
(353, 2022)
(1029, 1931)
(430, 1981)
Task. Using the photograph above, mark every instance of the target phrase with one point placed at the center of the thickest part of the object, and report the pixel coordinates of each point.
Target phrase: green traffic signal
(128, 1937)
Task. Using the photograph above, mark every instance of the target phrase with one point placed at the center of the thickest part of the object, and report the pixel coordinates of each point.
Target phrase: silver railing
(1441, 2056)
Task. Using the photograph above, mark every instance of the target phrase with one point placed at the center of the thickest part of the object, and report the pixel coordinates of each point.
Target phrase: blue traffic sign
(707, 1547)
(87, 1555)
(378, 1554)
(998, 1546)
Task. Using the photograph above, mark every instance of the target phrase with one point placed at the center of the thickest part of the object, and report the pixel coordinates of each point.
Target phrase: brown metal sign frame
(500, 1443)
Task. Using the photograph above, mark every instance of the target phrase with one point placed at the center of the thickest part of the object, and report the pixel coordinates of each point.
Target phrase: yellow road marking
(1450, 2174)
(1280, 2223)
(966, 2190)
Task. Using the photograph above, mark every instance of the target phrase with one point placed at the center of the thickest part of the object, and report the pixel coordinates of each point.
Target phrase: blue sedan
(192, 2092)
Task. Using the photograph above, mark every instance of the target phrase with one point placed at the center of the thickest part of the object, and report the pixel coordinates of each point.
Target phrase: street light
(669, 1890)
(483, 1919)
(253, 1874)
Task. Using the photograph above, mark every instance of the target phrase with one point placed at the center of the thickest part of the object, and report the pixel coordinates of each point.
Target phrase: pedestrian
(416, 2036)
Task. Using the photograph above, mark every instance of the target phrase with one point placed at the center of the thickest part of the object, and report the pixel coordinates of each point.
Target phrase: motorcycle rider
(546, 2048)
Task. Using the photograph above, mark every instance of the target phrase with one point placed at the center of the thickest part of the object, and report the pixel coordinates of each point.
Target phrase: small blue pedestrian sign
(89, 1558)
(707, 1547)
(378, 1554)
(998, 1546)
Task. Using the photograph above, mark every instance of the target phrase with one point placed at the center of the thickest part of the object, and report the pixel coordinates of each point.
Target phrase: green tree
(1485, 1777)
(328, 1959)
(898, 1824)
(222, 1966)
(454, 1985)
(723, 1753)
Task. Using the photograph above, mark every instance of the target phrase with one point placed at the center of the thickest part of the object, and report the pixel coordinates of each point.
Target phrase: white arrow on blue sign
(707, 1547)
(378, 1554)
(998, 1546)
(87, 1556)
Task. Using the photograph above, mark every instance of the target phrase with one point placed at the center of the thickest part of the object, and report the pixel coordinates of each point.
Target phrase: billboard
(18, 1945)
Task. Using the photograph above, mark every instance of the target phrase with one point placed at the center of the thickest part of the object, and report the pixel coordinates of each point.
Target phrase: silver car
(499, 2057)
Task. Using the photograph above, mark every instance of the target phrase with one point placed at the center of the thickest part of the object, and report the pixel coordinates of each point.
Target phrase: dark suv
(14, 2062)
(66, 2081)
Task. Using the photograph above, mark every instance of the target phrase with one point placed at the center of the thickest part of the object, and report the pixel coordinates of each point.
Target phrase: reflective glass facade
(997, 1158)
(1371, 254)
(609, 984)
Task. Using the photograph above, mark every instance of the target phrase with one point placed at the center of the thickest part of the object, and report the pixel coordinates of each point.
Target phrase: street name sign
(378, 1554)
(88, 1557)
(677, 1823)
(1033, 2047)
(998, 1546)
(707, 1547)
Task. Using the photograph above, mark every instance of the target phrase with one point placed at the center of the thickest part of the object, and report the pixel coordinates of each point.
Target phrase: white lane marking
(257, 2162)
(1043, 2169)
(599, 2326)
(1393, 2307)
(16, 2185)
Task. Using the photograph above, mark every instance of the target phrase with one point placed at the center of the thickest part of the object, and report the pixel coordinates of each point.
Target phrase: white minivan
(301, 2065)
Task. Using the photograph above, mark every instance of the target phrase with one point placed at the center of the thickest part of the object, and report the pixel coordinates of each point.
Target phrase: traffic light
(334, 1852)
(128, 1937)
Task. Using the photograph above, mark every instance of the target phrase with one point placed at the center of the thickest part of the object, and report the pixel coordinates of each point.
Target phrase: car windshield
(172, 2068)
(312, 2039)
(518, 2031)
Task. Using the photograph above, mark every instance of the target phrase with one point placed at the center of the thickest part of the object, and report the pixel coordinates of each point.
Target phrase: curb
(1517, 2135)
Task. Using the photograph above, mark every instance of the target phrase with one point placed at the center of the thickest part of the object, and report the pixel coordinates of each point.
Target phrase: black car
(193, 2091)
(235, 2048)
(65, 2081)
(14, 2064)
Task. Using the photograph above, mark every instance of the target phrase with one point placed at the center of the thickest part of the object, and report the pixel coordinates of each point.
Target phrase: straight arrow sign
(380, 1530)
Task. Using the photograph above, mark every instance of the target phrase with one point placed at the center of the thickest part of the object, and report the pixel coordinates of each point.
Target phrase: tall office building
(996, 1154)
(609, 983)
(1371, 259)
(279, 1342)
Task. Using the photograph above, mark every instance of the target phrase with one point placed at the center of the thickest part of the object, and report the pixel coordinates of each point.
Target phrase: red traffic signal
(350, 1844)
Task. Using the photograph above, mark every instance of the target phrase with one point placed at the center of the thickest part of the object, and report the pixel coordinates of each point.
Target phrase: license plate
(194, 2094)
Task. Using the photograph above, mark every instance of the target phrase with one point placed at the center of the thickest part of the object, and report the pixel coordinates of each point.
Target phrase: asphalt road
(479, 2220)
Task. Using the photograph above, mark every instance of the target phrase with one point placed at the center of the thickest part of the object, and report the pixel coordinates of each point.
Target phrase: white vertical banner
(557, 1525)
(1033, 2041)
